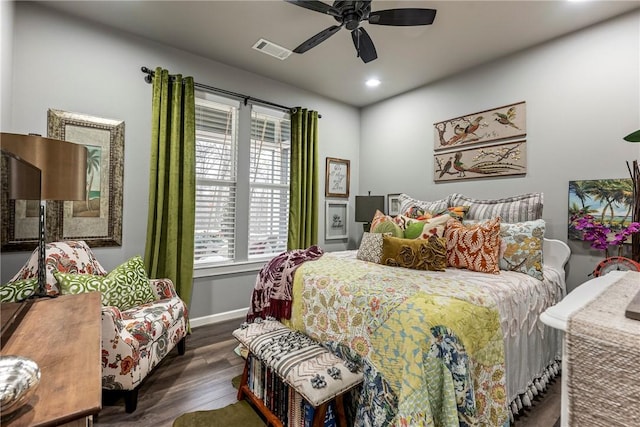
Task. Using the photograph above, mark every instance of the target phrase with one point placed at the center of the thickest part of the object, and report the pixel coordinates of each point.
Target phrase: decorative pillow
(475, 247)
(522, 247)
(407, 203)
(458, 212)
(18, 291)
(379, 218)
(389, 227)
(418, 254)
(427, 228)
(371, 247)
(125, 287)
(68, 257)
(526, 207)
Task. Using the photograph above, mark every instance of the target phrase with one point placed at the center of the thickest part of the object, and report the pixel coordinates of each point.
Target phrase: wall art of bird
(483, 168)
(473, 126)
(462, 132)
(507, 119)
(446, 168)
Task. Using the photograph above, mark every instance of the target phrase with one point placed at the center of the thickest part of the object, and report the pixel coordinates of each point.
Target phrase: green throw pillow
(389, 227)
(18, 291)
(125, 287)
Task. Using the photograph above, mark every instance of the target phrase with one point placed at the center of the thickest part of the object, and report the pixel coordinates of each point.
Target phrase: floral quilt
(431, 344)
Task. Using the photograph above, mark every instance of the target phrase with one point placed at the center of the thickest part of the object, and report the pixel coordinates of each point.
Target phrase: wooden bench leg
(243, 381)
(341, 416)
(320, 414)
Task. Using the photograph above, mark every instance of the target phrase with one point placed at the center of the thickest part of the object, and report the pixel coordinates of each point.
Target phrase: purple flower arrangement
(598, 234)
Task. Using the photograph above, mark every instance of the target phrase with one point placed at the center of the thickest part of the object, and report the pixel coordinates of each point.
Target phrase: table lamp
(366, 207)
(62, 175)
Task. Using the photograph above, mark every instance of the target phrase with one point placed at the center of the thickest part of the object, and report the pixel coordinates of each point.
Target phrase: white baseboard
(219, 317)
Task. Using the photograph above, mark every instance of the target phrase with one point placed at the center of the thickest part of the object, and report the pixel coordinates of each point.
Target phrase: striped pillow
(407, 203)
(526, 207)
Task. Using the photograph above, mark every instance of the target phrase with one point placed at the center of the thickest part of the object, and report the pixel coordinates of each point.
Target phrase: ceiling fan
(350, 14)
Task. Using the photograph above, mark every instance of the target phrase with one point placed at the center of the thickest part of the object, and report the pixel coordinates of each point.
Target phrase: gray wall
(583, 95)
(68, 64)
(6, 52)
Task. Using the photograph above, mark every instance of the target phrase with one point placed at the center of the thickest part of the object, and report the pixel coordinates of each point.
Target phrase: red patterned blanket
(272, 292)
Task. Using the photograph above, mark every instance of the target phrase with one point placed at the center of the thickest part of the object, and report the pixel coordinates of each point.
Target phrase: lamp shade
(366, 207)
(62, 164)
(23, 178)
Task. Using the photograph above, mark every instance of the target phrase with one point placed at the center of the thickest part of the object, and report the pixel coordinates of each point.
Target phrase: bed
(449, 348)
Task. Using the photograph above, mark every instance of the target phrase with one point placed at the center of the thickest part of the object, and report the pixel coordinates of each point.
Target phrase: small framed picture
(336, 182)
(336, 218)
(393, 204)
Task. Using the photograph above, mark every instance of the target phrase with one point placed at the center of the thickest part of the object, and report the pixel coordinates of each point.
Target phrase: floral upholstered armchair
(142, 319)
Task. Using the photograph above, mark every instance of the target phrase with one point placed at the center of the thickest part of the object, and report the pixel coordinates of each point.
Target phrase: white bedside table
(558, 316)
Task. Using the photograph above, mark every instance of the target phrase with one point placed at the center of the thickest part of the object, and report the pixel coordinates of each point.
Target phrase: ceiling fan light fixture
(372, 82)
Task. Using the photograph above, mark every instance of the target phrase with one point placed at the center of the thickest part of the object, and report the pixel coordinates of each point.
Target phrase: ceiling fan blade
(403, 17)
(364, 45)
(316, 6)
(317, 39)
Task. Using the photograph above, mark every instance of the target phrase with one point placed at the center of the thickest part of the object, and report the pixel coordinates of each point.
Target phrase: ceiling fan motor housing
(351, 13)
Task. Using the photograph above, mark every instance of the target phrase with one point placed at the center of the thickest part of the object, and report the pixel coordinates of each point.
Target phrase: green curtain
(303, 206)
(171, 221)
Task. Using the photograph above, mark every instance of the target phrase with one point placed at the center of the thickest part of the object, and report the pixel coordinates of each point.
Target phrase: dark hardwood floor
(201, 380)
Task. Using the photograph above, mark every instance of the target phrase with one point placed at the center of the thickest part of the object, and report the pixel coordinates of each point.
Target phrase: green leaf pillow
(18, 290)
(125, 287)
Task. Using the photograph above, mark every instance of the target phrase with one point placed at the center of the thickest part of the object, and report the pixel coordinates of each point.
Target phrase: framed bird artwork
(481, 162)
(495, 124)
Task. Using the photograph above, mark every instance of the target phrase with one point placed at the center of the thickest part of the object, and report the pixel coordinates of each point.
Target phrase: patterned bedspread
(431, 343)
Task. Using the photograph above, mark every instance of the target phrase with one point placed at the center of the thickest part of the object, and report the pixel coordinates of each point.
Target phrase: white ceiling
(463, 35)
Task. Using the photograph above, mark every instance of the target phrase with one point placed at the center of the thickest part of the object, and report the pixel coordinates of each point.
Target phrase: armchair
(134, 339)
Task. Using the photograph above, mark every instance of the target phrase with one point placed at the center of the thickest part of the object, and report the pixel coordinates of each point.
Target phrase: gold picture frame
(98, 219)
(336, 183)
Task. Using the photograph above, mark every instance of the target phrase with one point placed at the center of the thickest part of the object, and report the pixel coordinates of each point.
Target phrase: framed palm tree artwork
(608, 201)
(98, 218)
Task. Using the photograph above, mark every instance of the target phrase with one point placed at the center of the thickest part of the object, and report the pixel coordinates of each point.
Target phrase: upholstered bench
(310, 370)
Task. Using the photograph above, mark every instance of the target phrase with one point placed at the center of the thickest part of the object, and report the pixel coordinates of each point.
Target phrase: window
(242, 181)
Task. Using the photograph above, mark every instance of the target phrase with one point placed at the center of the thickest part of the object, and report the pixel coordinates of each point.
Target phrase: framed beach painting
(98, 219)
(609, 201)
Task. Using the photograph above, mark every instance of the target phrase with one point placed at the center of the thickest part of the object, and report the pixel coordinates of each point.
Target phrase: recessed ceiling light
(373, 82)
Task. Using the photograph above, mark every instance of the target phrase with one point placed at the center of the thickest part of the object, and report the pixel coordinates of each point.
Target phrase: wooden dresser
(62, 335)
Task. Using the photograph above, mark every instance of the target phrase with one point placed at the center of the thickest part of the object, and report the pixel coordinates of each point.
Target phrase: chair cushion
(125, 287)
(148, 321)
(68, 257)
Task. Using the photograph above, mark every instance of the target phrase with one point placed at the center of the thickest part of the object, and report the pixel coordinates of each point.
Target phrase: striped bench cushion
(298, 360)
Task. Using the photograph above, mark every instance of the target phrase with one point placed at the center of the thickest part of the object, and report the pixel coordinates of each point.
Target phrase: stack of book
(283, 401)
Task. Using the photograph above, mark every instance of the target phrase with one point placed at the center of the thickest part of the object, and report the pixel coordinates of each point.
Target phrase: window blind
(216, 178)
(228, 184)
(269, 181)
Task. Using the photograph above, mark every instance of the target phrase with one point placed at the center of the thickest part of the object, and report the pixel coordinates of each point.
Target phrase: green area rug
(239, 414)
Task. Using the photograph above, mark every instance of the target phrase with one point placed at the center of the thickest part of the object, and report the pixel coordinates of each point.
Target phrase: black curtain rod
(150, 73)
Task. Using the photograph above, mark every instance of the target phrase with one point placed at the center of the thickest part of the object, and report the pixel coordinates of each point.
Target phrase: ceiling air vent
(265, 46)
